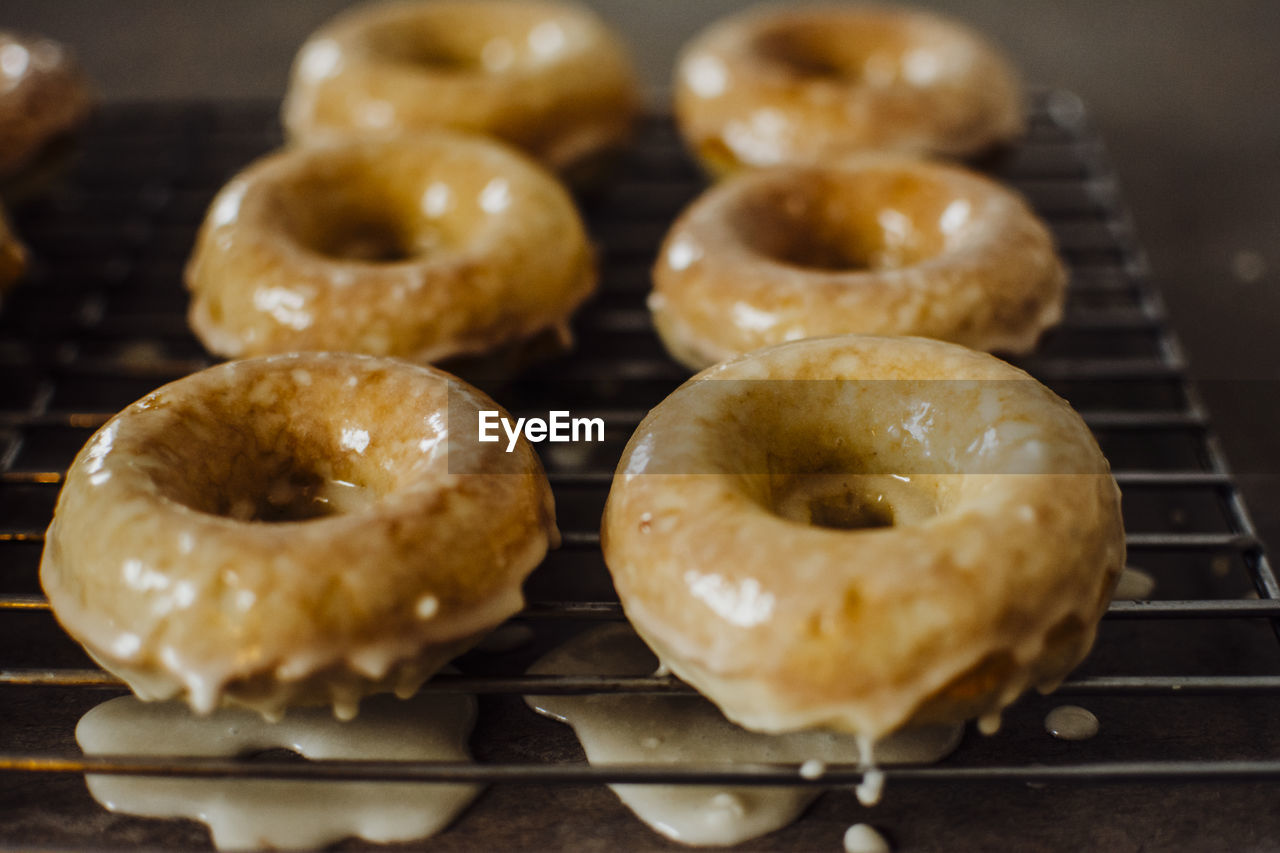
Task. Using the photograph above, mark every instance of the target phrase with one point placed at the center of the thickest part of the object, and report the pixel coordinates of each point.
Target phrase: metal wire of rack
(100, 322)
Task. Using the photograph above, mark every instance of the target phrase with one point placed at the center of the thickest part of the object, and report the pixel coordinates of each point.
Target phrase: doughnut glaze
(862, 533)
(548, 77)
(286, 814)
(421, 247)
(43, 95)
(802, 84)
(872, 244)
(294, 529)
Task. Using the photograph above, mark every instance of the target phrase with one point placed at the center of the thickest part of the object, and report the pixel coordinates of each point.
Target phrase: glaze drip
(1134, 585)
(861, 838)
(1071, 722)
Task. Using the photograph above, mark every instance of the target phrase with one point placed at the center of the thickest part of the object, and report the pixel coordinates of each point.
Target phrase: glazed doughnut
(293, 529)
(823, 534)
(43, 96)
(13, 256)
(548, 77)
(421, 247)
(876, 244)
(802, 85)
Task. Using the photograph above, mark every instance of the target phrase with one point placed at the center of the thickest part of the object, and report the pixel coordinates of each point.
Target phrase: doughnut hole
(841, 498)
(353, 234)
(838, 501)
(826, 453)
(868, 220)
(360, 208)
(342, 450)
(452, 39)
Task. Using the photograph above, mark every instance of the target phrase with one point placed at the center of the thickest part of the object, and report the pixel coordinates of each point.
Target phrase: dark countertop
(1184, 94)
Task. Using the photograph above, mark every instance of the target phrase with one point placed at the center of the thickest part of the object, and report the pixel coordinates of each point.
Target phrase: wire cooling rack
(1187, 684)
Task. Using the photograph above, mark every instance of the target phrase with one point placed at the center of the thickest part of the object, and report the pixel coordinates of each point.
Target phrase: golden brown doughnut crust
(421, 247)
(785, 84)
(549, 77)
(293, 529)
(43, 95)
(722, 533)
(875, 244)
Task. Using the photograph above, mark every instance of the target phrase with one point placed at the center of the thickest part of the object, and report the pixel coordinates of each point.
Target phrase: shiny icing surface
(876, 244)
(426, 247)
(807, 84)
(689, 729)
(42, 96)
(292, 530)
(279, 813)
(548, 77)
(985, 576)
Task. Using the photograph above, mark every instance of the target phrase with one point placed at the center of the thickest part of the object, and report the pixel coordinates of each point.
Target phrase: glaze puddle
(1071, 722)
(689, 729)
(286, 814)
